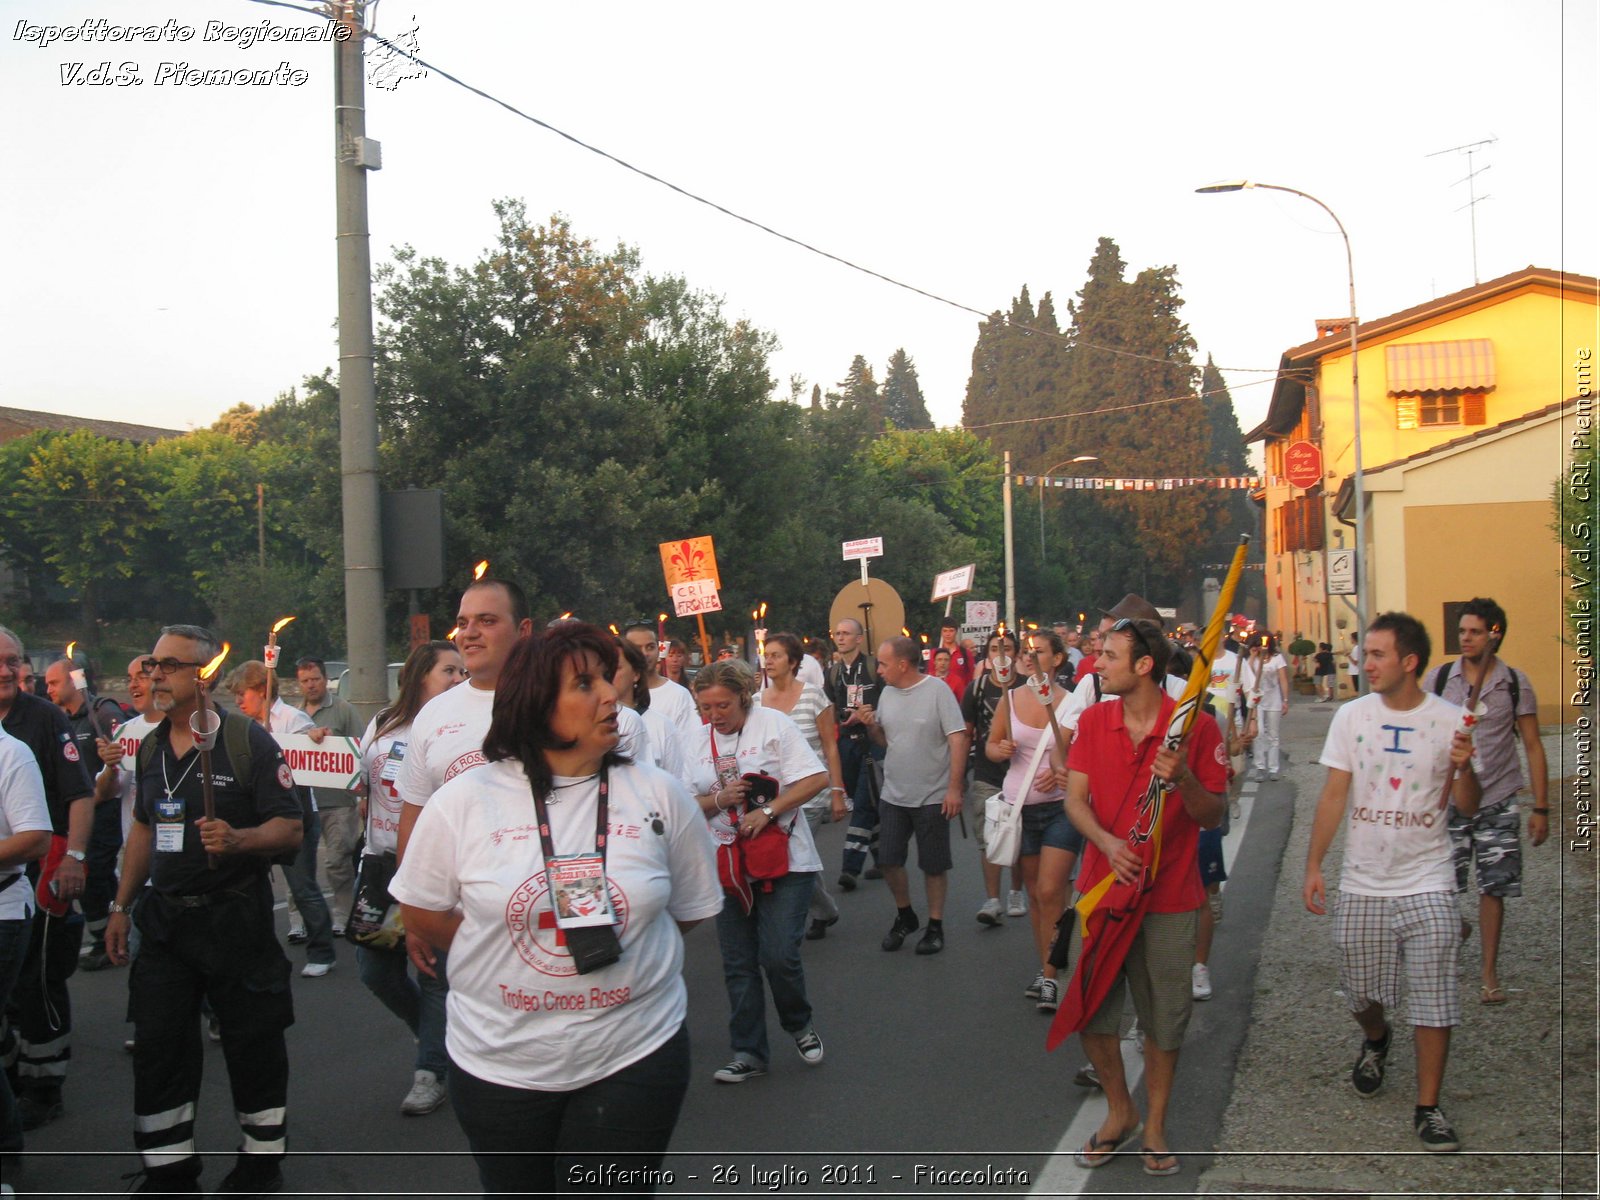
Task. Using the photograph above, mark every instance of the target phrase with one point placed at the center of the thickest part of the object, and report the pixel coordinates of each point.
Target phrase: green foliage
(903, 404)
(79, 505)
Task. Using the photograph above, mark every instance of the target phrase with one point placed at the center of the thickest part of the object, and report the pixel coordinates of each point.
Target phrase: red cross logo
(547, 920)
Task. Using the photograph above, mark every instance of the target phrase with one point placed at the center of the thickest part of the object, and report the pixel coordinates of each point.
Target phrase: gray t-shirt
(917, 721)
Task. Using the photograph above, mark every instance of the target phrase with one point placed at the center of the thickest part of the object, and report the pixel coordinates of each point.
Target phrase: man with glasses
(205, 927)
(1115, 753)
(38, 1032)
(854, 689)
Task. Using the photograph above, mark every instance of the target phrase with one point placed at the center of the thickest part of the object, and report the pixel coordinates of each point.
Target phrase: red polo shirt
(1119, 773)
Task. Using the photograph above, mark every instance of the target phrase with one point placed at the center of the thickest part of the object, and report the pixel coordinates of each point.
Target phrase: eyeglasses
(11, 662)
(163, 666)
(1129, 625)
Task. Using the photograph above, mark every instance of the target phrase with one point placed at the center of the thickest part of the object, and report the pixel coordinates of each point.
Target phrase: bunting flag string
(1102, 483)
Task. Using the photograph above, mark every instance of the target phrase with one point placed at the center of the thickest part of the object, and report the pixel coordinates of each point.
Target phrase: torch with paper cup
(205, 723)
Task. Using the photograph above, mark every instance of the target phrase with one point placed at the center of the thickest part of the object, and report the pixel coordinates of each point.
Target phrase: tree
(903, 405)
(81, 505)
(859, 389)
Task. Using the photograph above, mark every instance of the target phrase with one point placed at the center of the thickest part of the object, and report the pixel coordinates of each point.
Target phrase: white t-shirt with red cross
(446, 739)
(383, 795)
(769, 742)
(519, 1013)
(1396, 840)
(130, 734)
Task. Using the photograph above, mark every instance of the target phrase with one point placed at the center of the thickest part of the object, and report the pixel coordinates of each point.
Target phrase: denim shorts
(1047, 825)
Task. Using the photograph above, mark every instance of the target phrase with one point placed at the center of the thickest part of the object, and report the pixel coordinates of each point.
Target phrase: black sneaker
(819, 928)
(932, 941)
(253, 1175)
(1367, 1075)
(38, 1111)
(896, 937)
(1435, 1131)
(872, 873)
(847, 882)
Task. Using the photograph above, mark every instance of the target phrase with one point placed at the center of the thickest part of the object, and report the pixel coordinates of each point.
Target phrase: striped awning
(1464, 366)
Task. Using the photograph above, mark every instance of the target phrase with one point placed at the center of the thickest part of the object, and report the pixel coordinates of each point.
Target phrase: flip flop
(1492, 995)
(1107, 1149)
(1159, 1156)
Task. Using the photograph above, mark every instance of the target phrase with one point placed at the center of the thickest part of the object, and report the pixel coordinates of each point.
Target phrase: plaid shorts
(1492, 838)
(1378, 935)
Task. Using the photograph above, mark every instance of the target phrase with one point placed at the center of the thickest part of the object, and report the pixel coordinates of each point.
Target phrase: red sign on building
(1302, 464)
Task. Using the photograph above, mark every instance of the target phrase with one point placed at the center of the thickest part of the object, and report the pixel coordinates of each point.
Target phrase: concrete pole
(358, 409)
(1011, 565)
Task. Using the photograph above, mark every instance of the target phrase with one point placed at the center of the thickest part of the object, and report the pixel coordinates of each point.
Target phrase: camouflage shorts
(1492, 839)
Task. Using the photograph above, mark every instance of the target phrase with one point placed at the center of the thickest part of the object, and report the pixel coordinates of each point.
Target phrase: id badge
(578, 883)
(727, 768)
(391, 768)
(855, 695)
(169, 826)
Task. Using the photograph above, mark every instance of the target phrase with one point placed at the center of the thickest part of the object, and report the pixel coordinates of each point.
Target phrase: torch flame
(451, 636)
(661, 616)
(210, 669)
(904, 632)
(71, 646)
(282, 621)
(613, 628)
(566, 615)
(763, 608)
(477, 571)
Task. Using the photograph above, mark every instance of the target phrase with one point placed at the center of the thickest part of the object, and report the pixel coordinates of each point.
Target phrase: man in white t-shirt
(924, 784)
(670, 699)
(25, 836)
(1388, 756)
(118, 754)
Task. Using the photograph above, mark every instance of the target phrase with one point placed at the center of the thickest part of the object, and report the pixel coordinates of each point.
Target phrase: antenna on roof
(1473, 199)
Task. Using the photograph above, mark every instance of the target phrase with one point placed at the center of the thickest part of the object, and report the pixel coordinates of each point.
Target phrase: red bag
(766, 856)
(55, 905)
(730, 873)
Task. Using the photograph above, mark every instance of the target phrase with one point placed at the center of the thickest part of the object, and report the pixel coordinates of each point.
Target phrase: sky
(170, 252)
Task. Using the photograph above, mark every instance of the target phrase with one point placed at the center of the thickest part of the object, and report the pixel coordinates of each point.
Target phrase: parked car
(339, 688)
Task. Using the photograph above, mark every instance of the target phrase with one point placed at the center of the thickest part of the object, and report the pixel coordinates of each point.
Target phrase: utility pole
(261, 526)
(354, 155)
(1011, 568)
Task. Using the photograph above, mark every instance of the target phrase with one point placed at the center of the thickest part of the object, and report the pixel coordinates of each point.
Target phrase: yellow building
(1466, 406)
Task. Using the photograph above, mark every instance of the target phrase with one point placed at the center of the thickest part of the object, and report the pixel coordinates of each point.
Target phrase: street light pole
(1239, 185)
(1011, 566)
(1065, 462)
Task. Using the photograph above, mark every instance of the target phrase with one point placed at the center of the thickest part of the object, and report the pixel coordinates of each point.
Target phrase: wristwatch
(119, 908)
(80, 855)
(767, 808)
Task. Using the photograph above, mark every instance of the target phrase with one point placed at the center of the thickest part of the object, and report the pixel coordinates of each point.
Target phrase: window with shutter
(1405, 412)
(1474, 408)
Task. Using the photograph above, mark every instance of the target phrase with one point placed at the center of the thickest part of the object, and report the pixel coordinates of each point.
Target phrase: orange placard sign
(689, 560)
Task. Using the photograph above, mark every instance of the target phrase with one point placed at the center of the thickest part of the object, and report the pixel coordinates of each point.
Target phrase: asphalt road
(934, 1064)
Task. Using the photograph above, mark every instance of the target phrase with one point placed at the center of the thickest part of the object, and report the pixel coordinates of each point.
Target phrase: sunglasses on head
(1129, 625)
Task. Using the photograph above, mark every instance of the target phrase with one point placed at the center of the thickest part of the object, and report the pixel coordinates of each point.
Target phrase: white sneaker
(1016, 904)
(1200, 982)
(991, 912)
(427, 1093)
(315, 970)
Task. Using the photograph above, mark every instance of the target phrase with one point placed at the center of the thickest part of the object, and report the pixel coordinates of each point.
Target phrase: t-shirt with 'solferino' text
(1396, 840)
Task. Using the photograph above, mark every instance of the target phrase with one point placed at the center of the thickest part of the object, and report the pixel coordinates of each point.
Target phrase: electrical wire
(751, 221)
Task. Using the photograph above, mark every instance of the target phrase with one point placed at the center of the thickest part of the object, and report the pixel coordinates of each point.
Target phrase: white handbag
(1003, 831)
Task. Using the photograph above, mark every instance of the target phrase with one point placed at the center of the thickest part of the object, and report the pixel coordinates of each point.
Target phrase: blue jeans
(13, 949)
(307, 892)
(528, 1142)
(861, 835)
(768, 939)
(386, 974)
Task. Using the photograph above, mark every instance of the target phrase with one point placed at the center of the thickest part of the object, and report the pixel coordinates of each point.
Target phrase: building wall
(1439, 539)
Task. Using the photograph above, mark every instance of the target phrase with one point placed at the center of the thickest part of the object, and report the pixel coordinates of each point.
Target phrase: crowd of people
(543, 813)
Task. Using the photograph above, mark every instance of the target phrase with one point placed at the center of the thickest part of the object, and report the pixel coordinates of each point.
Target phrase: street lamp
(1065, 462)
(1239, 185)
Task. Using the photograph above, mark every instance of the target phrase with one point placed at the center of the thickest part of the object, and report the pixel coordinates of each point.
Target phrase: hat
(1135, 607)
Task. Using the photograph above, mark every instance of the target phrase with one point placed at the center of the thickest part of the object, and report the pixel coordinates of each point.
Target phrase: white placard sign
(1341, 572)
(694, 596)
(334, 763)
(984, 613)
(863, 548)
(953, 583)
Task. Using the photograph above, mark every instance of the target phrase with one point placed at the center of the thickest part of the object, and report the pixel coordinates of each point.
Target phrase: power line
(751, 221)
